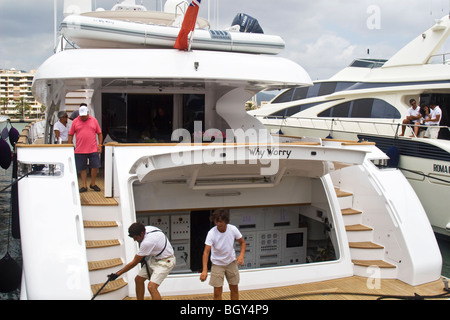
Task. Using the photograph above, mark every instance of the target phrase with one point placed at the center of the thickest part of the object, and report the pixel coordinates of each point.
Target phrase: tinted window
(281, 113)
(362, 108)
(317, 90)
(300, 93)
(284, 97)
(343, 85)
(382, 109)
(313, 91)
(326, 113)
(327, 88)
(193, 110)
(341, 110)
(293, 110)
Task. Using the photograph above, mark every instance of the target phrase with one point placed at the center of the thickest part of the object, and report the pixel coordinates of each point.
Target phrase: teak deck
(352, 288)
(94, 198)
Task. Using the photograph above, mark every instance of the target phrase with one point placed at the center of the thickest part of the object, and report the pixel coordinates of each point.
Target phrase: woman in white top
(61, 128)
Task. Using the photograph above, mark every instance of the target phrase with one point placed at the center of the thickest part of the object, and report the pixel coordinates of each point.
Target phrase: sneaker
(83, 189)
(95, 188)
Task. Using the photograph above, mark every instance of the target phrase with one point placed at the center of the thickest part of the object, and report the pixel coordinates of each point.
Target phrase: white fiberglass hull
(145, 175)
(91, 32)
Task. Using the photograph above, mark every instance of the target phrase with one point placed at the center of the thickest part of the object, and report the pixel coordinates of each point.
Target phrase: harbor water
(7, 243)
(12, 246)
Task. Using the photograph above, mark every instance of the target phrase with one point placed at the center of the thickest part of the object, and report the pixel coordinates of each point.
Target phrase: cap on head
(83, 111)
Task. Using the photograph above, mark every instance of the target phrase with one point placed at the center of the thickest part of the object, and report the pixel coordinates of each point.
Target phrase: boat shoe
(95, 188)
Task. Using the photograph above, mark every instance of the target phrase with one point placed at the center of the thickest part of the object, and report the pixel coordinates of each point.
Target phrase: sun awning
(241, 165)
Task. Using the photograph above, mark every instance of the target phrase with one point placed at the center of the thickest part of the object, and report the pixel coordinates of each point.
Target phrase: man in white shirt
(220, 243)
(161, 260)
(432, 119)
(413, 116)
(61, 128)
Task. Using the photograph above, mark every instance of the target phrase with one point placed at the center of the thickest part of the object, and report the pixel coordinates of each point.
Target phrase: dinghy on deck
(160, 31)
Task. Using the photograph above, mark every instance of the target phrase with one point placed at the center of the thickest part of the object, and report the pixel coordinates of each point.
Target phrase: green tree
(42, 110)
(5, 103)
(250, 105)
(23, 108)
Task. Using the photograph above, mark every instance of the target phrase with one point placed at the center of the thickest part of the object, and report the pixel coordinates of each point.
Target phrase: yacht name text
(441, 168)
(259, 152)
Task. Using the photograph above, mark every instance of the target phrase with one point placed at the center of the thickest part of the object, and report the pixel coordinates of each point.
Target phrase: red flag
(189, 21)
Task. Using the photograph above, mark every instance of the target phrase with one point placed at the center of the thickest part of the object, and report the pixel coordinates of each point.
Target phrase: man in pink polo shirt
(86, 129)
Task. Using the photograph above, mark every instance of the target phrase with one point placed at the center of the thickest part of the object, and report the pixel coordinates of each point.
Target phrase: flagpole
(193, 30)
(217, 17)
(185, 36)
(209, 11)
(55, 22)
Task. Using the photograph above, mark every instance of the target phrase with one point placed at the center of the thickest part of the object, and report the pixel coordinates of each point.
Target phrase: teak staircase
(366, 255)
(104, 246)
(105, 252)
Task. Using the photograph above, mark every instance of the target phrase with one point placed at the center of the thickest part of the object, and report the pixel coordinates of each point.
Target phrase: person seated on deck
(413, 117)
(432, 119)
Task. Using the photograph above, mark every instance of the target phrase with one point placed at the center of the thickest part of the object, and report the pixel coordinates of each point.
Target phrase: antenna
(55, 21)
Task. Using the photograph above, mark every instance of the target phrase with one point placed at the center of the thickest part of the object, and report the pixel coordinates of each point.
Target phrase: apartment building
(16, 98)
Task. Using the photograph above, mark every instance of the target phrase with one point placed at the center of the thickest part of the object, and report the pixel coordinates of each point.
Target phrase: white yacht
(310, 210)
(368, 101)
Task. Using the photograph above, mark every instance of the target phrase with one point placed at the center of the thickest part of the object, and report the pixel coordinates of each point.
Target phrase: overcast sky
(323, 36)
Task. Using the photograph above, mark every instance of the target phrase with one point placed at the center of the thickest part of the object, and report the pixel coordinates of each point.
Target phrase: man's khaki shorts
(231, 272)
(159, 269)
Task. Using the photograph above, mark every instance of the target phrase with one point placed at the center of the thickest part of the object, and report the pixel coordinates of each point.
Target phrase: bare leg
(140, 287)
(218, 293)
(153, 289)
(404, 127)
(416, 130)
(234, 292)
(84, 177)
(94, 172)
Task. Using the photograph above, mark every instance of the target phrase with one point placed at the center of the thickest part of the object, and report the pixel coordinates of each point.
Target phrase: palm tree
(42, 110)
(5, 103)
(23, 108)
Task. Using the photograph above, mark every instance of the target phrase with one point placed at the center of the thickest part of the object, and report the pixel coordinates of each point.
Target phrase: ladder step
(350, 211)
(100, 224)
(90, 244)
(104, 264)
(365, 245)
(358, 227)
(373, 263)
(110, 287)
(341, 193)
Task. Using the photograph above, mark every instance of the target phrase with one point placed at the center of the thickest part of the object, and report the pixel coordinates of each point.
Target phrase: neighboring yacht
(310, 210)
(368, 101)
